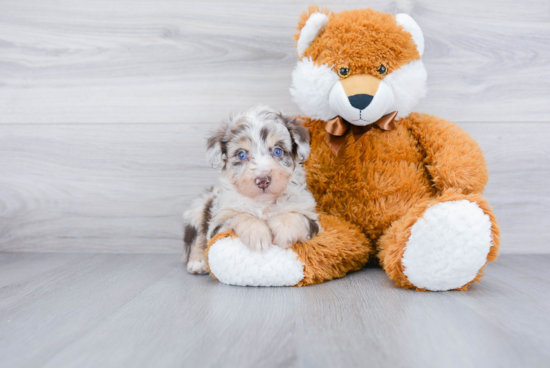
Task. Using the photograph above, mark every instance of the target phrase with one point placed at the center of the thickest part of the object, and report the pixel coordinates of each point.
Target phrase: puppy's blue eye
(242, 155)
(277, 152)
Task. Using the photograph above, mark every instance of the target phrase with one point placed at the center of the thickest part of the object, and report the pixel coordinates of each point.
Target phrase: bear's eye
(344, 72)
(382, 70)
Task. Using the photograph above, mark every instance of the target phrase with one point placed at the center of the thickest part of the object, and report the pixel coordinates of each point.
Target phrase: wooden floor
(131, 310)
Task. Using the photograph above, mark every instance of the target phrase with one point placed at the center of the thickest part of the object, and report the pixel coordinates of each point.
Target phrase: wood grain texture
(114, 188)
(170, 61)
(123, 187)
(518, 157)
(70, 299)
(146, 310)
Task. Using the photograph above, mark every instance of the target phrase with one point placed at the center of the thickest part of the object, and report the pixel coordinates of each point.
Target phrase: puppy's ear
(299, 135)
(216, 150)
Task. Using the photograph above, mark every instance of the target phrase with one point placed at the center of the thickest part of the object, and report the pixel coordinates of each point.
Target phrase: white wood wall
(104, 106)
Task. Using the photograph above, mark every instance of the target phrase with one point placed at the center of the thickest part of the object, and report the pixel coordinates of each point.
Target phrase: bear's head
(358, 64)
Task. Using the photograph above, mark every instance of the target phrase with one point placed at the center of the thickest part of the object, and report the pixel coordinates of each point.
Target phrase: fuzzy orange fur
(339, 249)
(375, 183)
(360, 40)
(385, 181)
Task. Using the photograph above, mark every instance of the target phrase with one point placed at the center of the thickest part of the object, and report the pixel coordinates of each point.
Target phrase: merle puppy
(263, 196)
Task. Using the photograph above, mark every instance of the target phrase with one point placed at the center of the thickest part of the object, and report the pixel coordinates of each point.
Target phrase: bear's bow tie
(337, 128)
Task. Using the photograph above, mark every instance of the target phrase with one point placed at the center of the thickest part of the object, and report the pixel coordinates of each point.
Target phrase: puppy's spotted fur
(263, 196)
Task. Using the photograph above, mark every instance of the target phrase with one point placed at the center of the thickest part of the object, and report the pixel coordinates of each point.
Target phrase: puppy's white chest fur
(262, 214)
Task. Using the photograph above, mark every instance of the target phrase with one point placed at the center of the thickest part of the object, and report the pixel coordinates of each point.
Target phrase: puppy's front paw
(197, 266)
(290, 228)
(255, 234)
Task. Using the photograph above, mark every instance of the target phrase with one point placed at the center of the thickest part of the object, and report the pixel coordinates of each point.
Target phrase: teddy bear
(394, 186)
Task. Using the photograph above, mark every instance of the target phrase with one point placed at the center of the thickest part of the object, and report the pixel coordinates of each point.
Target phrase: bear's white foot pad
(448, 246)
(234, 263)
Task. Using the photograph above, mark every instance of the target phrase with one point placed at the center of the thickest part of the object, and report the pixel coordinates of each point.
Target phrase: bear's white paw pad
(198, 267)
(234, 263)
(448, 246)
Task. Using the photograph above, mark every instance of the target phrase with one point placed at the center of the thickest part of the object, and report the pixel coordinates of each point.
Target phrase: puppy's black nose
(263, 181)
(360, 101)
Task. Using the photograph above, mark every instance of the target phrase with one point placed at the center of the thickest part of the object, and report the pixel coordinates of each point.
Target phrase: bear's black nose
(360, 101)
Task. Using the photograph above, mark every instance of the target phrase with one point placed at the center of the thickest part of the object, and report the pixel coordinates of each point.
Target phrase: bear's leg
(441, 244)
(341, 248)
(337, 250)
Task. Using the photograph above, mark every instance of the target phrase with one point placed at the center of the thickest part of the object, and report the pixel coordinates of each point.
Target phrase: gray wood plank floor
(108, 310)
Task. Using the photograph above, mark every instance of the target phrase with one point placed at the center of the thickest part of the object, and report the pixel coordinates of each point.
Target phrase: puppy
(262, 194)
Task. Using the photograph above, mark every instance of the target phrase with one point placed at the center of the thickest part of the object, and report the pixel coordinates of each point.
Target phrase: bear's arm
(453, 157)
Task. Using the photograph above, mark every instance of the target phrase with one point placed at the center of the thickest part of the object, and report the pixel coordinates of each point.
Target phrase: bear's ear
(413, 28)
(311, 23)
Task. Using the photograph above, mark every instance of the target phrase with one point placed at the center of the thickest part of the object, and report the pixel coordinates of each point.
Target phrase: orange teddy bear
(400, 186)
